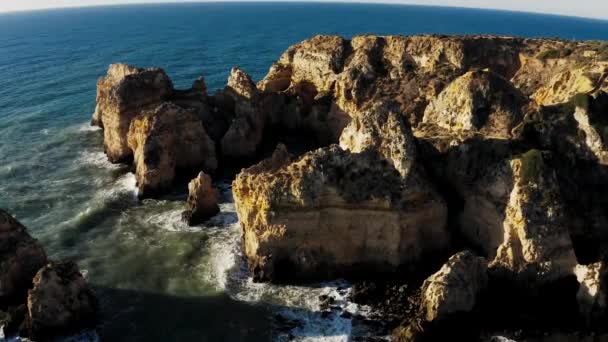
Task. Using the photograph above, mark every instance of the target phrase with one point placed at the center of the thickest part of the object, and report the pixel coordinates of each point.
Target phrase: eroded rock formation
(164, 140)
(202, 200)
(494, 144)
(121, 95)
(453, 290)
(333, 212)
(39, 299)
(21, 256)
(59, 300)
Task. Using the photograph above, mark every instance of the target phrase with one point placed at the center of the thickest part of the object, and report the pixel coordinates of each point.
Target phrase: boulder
(202, 200)
(21, 256)
(165, 140)
(121, 95)
(447, 300)
(455, 288)
(335, 213)
(60, 301)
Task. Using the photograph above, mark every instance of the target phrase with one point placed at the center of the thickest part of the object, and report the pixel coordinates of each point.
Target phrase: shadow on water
(129, 315)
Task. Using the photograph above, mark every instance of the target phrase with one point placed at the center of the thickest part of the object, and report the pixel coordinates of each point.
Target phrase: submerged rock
(121, 95)
(335, 213)
(60, 301)
(165, 140)
(20, 258)
(202, 200)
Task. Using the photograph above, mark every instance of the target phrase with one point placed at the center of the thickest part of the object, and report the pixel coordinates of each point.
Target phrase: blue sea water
(156, 278)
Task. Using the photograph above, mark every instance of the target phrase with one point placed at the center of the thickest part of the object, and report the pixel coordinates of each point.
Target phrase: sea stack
(488, 149)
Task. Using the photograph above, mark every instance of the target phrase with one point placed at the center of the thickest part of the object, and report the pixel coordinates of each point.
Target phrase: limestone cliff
(333, 212)
(493, 144)
(166, 139)
(121, 95)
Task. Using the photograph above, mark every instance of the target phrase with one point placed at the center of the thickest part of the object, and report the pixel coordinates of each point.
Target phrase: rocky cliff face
(494, 144)
(120, 96)
(20, 258)
(166, 139)
(333, 212)
(39, 299)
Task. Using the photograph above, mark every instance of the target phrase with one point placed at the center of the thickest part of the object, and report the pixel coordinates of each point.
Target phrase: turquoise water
(158, 279)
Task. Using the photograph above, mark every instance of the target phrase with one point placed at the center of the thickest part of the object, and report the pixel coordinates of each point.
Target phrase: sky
(581, 8)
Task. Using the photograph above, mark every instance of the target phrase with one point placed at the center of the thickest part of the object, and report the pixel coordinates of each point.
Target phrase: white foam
(87, 127)
(124, 188)
(171, 220)
(98, 159)
(227, 271)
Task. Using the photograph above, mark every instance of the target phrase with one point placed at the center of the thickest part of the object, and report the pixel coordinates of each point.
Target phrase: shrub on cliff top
(554, 54)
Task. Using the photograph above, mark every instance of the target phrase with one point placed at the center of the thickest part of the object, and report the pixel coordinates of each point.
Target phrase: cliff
(425, 146)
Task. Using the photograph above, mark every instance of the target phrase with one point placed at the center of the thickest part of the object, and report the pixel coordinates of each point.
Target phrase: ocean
(157, 279)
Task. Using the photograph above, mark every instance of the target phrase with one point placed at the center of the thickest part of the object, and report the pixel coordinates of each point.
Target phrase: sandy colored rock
(60, 301)
(20, 258)
(455, 288)
(121, 95)
(165, 140)
(317, 61)
(385, 130)
(478, 101)
(244, 135)
(333, 213)
(590, 116)
(536, 239)
(202, 200)
(578, 80)
(592, 293)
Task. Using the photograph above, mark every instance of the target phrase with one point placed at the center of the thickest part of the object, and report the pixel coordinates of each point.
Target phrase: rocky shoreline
(459, 180)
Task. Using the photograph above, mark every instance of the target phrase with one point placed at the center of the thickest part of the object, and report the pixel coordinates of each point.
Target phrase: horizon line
(368, 2)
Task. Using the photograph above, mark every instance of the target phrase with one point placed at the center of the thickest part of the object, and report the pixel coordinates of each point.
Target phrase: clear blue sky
(582, 8)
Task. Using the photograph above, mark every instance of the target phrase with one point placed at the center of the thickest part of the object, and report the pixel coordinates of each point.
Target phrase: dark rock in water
(21, 256)
(202, 200)
(39, 299)
(61, 301)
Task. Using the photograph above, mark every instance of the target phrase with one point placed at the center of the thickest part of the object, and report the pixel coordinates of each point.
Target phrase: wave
(171, 220)
(122, 194)
(301, 305)
(98, 159)
(87, 127)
